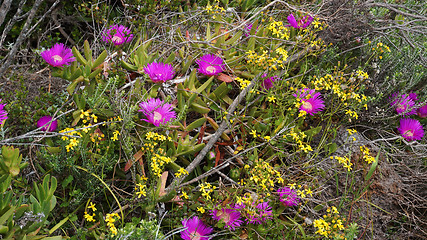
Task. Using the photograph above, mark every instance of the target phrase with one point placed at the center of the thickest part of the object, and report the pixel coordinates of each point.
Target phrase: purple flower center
(211, 69)
(409, 133)
(400, 107)
(195, 236)
(308, 106)
(57, 58)
(157, 116)
(117, 39)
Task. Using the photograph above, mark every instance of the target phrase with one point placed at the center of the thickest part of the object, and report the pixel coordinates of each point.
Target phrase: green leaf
(373, 167)
(95, 73)
(87, 51)
(170, 58)
(233, 39)
(197, 123)
(199, 108)
(208, 33)
(313, 131)
(128, 66)
(205, 85)
(78, 56)
(100, 59)
(6, 215)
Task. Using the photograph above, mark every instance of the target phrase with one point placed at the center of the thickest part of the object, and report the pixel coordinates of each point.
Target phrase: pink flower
(47, 124)
(403, 103)
(422, 111)
(411, 129)
(157, 111)
(3, 113)
(159, 72)
(196, 229)
(210, 65)
(413, 96)
(248, 29)
(58, 56)
(262, 213)
(288, 196)
(303, 22)
(229, 216)
(311, 101)
(117, 34)
(267, 83)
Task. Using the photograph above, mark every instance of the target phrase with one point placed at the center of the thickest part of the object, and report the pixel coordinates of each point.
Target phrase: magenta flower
(47, 124)
(411, 129)
(267, 83)
(422, 111)
(248, 28)
(58, 56)
(159, 72)
(117, 34)
(229, 216)
(403, 103)
(303, 22)
(157, 111)
(210, 65)
(311, 101)
(3, 113)
(196, 229)
(288, 196)
(413, 96)
(262, 213)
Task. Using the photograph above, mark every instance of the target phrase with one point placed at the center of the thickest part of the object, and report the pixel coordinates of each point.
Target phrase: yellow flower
(272, 99)
(92, 206)
(201, 210)
(184, 195)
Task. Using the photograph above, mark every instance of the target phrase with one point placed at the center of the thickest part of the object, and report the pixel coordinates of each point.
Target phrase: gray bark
(4, 9)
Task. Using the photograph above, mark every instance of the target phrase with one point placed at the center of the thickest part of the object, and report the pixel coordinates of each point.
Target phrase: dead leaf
(163, 179)
(224, 77)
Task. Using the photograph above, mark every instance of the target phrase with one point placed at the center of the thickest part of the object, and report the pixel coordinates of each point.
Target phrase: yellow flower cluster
(263, 175)
(331, 225)
(298, 137)
(243, 82)
(115, 135)
(215, 9)
(279, 30)
(181, 172)
(380, 48)
(88, 216)
(351, 132)
(113, 119)
(206, 190)
(110, 219)
(284, 55)
(362, 75)
(343, 88)
(155, 136)
(302, 193)
(88, 118)
(317, 24)
(322, 227)
(345, 161)
(368, 158)
(96, 136)
(158, 162)
(72, 141)
(352, 114)
(140, 190)
(265, 61)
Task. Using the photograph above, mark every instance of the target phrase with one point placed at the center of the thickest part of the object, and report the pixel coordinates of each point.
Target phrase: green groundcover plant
(223, 135)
